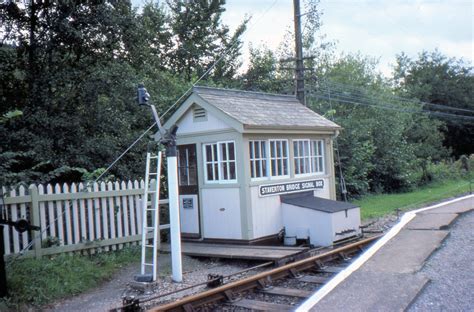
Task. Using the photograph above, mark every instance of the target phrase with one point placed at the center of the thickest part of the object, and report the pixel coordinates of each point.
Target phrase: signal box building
(252, 164)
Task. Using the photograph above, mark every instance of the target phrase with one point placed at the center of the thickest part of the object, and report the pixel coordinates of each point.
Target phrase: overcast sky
(378, 28)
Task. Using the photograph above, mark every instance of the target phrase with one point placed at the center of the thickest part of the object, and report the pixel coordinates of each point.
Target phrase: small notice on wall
(188, 203)
(293, 187)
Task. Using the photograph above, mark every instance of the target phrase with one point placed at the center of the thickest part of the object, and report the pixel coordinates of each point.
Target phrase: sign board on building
(188, 203)
(292, 187)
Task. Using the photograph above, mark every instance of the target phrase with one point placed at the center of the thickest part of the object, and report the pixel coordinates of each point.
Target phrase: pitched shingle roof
(264, 110)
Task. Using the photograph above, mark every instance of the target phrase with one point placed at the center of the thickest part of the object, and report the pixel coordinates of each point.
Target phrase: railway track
(278, 289)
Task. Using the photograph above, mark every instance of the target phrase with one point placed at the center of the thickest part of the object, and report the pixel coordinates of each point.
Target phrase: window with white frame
(317, 156)
(219, 162)
(258, 159)
(308, 156)
(279, 158)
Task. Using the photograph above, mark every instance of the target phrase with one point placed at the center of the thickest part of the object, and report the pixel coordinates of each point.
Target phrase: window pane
(306, 148)
(223, 148)
(273, 163)
(306, 165)
(232, 170)
(257, 150)
(181, 159)
(285, 148)
(321, 167)
(208, 152)
(264, 168)
(192, 175)
(210, 176)
(182, 179)
(214, 149)
(216, 172)
(231, 151)
(224, 174)
(258, 169)
(251, 154)
(252, 169)
(285, 167)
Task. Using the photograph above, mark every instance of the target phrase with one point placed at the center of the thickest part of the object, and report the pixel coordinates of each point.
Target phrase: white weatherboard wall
(189, 217)
(324, 192)
(221, 213)
(321, 226)
(317, 223)
(341, 223)
(266, 213)
(187, 124)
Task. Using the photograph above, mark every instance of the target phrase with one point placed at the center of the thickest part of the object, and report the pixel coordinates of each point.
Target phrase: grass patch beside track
(40, 281)
(378, 205)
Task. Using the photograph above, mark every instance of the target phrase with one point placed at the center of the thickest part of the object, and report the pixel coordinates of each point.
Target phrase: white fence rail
(106, 216)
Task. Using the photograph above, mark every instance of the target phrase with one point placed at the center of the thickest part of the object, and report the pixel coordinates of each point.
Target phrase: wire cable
(342, 96)
(346, 87)
(355, 102)
(381, 99)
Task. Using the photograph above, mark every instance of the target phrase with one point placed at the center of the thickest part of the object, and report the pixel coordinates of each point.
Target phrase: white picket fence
(72, 218)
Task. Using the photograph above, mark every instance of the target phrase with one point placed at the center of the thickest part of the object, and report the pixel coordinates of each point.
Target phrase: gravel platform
(451, 272)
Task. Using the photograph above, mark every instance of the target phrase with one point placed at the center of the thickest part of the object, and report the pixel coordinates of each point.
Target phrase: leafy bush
(444, 170)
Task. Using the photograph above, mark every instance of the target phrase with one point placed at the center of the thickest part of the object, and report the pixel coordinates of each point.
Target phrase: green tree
(73, 68)
(263, 73)
(200, 39)
(71, 80)
(437, 79)
(381, 144)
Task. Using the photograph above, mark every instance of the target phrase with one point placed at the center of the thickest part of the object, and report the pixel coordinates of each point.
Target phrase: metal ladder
(150, 217)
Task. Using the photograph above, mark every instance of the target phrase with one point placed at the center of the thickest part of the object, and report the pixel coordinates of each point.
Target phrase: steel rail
(258, 280)
(147, 299)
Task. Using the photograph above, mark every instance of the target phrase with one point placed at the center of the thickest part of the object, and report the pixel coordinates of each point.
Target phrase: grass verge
(373, 206)
(40, 281)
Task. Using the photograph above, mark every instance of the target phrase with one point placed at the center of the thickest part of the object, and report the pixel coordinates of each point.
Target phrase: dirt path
(102, 298)
(109, 295)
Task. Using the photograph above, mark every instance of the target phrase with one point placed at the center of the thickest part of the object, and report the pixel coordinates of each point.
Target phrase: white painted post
(35, 217)
(42, 209)
(67, 214)
(24, 235)
(75, 215)
(6, 229)
(112, 220)
(174, 218)
(59, 215)
(14, 217)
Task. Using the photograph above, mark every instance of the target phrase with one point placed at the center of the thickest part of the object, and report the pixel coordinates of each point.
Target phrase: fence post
(35, 220)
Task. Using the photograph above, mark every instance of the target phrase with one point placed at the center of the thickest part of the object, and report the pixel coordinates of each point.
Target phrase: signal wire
(371, 101)
(345, 87)
(355, 102)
